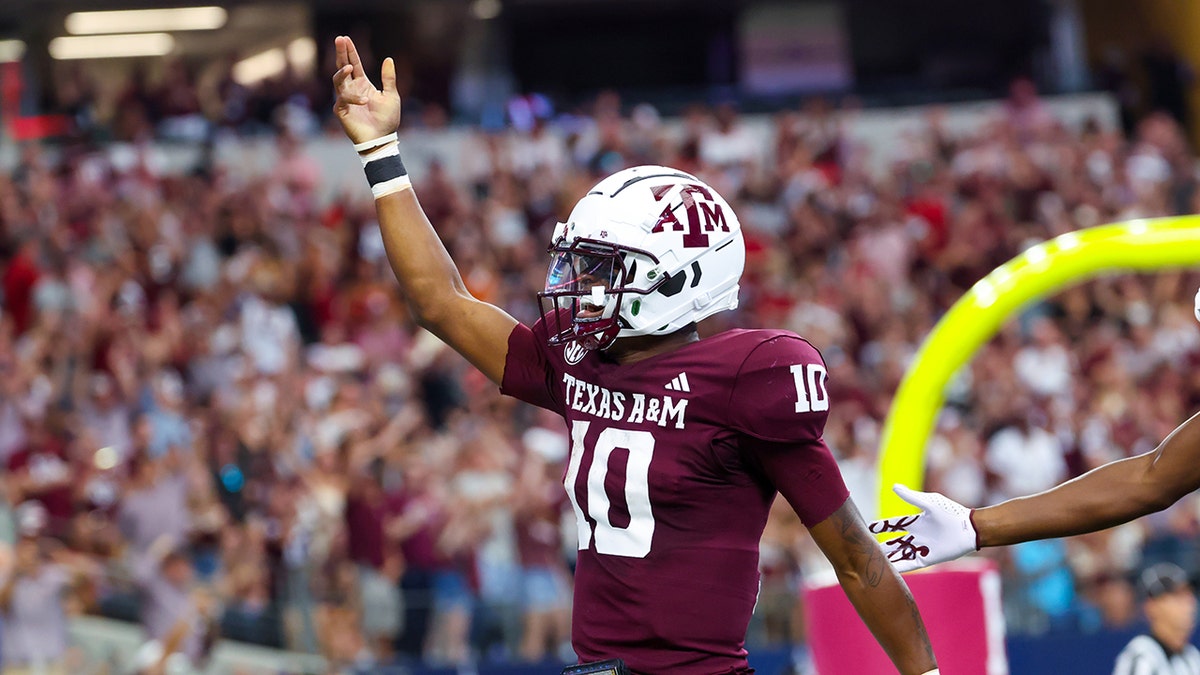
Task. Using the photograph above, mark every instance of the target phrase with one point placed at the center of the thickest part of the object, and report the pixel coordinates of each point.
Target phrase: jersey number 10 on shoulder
(811, 395)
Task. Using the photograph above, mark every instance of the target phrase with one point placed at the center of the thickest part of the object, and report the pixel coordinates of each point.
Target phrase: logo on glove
(900, 548)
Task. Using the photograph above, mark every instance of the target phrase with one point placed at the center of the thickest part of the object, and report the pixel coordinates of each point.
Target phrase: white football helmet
(647, 251)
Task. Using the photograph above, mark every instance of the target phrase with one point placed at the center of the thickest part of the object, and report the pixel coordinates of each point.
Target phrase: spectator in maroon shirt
(416, 528)
(545, 584)
(41, 472)
(18, 280)
(377, 558)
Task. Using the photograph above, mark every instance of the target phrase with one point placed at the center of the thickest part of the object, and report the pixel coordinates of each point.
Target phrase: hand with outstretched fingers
(941, 531)
(366, 113)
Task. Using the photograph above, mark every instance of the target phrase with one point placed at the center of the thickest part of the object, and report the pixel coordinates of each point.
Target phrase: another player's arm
(1115, 493)
(876, 590)
(431, 283)
(1109, 495)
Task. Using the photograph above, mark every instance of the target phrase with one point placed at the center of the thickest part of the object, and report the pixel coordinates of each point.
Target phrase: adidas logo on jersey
(679, 383)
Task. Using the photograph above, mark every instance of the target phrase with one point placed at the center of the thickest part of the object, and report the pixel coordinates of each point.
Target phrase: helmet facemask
(585, 286)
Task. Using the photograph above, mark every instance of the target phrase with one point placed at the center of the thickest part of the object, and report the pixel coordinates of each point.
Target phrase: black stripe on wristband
(384, 169)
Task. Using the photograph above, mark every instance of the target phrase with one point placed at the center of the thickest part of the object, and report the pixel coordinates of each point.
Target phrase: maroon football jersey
(674, 463)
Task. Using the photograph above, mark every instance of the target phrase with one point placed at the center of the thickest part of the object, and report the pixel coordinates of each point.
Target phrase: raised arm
(875, 589)
(432, 286)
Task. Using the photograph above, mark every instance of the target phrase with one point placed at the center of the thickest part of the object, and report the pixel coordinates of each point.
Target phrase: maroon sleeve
(779, 403)
(780, 392)
(805, 474)
(528, 373)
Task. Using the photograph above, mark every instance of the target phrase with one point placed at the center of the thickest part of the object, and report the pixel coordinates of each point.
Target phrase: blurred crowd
(175, 101)
(217, 417)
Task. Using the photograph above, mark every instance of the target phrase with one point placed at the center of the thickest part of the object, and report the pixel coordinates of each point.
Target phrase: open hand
(942, 531)
(365, 112)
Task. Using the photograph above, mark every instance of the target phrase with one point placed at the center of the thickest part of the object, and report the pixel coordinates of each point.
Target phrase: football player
(679, 445)
(1115, 493)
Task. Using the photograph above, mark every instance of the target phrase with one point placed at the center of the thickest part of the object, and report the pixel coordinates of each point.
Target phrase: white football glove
(1198, 305)
(941, 531)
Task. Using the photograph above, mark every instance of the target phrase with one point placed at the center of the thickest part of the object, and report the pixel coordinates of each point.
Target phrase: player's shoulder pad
(780, 392)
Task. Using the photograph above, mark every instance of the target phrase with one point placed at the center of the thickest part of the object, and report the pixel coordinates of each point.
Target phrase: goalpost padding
(959, 601)
(1137, 245)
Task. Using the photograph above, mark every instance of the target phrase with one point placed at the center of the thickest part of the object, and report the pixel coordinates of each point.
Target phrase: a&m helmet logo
(574, 352)
(702, 212)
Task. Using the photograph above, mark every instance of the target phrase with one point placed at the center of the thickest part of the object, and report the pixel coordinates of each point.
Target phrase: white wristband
(385, 171)
(393, 185)
(932, 672)
(390, 150)
(375, 142)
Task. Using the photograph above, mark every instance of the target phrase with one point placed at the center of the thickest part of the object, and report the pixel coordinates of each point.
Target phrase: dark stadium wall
(944, 45)
(1128, 35)
(425, 39)
(576, 48)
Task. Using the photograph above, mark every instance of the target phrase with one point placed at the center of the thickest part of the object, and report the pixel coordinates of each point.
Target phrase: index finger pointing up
(339, 44)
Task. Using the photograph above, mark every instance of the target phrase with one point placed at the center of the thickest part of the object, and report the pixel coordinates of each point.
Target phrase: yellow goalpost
(1137, 245)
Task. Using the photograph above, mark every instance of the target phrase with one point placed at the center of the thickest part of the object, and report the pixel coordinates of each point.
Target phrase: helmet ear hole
(673, 285)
